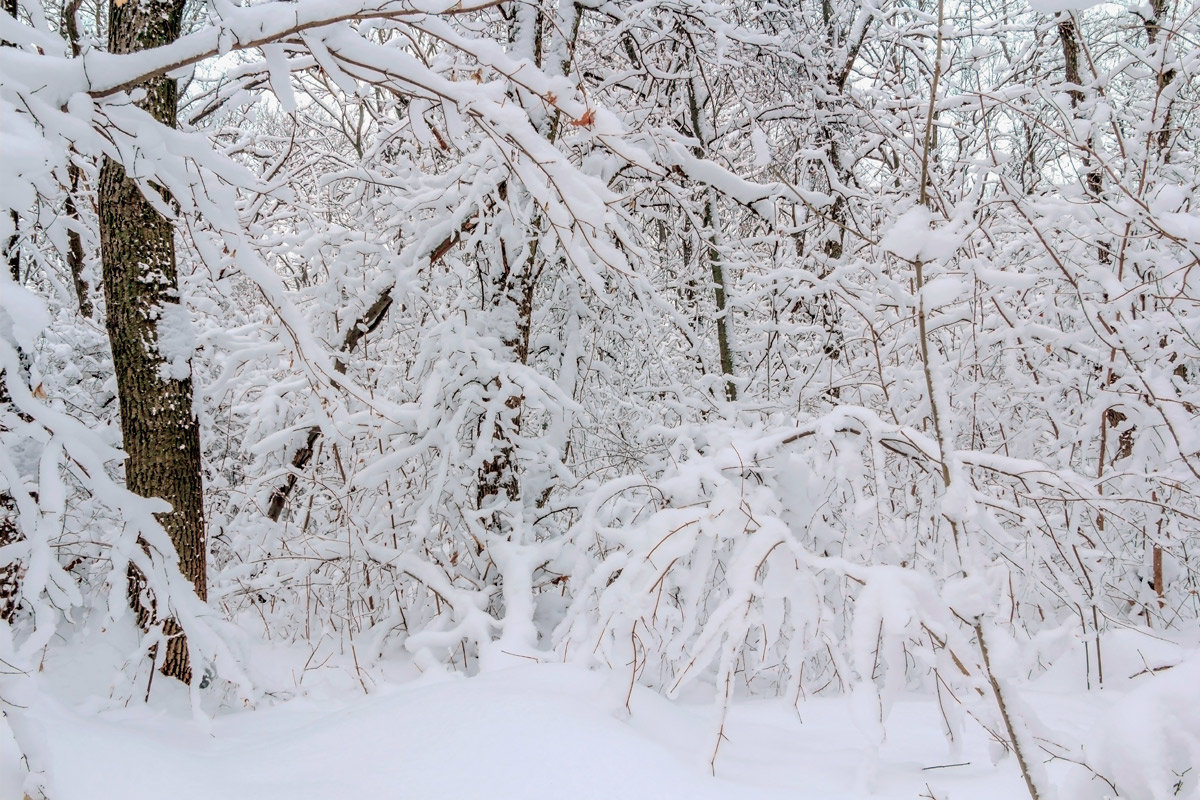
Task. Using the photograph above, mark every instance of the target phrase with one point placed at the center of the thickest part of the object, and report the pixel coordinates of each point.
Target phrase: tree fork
(370, 319)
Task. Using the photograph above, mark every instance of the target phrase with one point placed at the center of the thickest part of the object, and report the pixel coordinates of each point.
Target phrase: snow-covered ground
(532, 730)
(543, 731)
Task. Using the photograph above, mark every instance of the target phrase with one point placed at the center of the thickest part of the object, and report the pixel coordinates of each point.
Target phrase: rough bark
(717, 270)
(825, 309)
(510, 296)
(499, 476)
(137, 245)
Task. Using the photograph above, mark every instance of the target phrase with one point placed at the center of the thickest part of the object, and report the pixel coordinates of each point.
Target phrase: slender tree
(10, 574)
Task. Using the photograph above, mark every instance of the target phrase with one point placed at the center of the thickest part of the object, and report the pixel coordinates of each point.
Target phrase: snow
(22, 314)
(916, 234)
(176, 341)
(533, 733)
(684, 597)
(1151, 736)
(1055, 6)
(762, 147)
(542, 730)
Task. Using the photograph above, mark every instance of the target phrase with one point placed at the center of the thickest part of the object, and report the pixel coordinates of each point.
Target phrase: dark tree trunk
(13, 255)
(1068, 36)
(709, 251)
(500, 476)
(74, 241)
(161, 435)
(509, 296)
(12, 247)
(10, 574)
(75, 260)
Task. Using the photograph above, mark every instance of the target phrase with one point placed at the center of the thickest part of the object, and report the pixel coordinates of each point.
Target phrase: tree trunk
(509, 298)
(10, 574)
(11, 247)
(137, 244)
(702, 130)
(512, 292)
(720, 290)
(74, 241)
(1068, 36)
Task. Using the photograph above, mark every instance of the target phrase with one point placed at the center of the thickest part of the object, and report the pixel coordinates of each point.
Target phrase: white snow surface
(1055, 6)
(527, 732)
(535, 730)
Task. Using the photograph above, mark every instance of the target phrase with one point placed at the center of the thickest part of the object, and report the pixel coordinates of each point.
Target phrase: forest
(696, 361)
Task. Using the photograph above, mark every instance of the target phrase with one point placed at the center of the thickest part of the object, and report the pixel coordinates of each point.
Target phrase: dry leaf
(586, 120)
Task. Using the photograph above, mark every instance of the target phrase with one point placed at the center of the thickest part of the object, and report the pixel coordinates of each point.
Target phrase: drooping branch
(251, 28)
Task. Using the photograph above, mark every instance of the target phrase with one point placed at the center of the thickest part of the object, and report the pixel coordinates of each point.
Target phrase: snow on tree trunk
(141, 288)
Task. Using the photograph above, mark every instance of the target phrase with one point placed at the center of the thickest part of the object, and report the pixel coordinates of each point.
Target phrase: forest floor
(527, 731)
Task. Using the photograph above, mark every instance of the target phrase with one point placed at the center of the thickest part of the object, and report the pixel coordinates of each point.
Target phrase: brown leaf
(586, 120)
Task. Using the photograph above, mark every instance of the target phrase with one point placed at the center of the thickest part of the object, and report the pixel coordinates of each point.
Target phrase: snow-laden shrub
(831, 557)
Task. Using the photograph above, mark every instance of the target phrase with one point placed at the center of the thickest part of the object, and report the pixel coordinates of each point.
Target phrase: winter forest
(600, 398)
